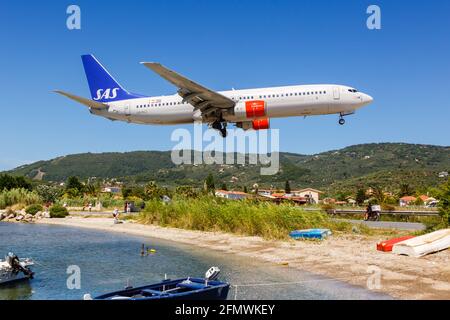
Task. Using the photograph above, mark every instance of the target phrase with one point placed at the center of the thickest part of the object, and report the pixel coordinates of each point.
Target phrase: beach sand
(349, 258)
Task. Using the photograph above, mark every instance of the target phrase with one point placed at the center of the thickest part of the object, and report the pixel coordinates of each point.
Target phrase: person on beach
(125, 208)
(90, 207)
(116, 215)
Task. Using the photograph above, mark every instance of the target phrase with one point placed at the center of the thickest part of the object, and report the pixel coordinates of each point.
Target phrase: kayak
(387, 245)
(310, 234)
(423, 245)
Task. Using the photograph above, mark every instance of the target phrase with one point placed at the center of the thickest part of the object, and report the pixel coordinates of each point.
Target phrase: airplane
(246, 109)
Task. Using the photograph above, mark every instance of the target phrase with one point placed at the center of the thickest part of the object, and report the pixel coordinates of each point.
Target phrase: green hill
(386, 164)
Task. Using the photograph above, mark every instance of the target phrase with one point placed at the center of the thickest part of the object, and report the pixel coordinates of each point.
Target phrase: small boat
(13, 269)
(387, 245)
(310, 234)
(423, 245)
(207, 288)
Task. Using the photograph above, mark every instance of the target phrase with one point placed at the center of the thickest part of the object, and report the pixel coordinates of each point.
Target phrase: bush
(58, 211)
(33, 209)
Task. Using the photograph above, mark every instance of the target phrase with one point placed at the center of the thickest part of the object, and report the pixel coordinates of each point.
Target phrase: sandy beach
(349, 258)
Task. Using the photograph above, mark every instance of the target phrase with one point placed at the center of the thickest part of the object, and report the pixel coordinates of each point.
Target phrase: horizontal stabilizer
(87, 102)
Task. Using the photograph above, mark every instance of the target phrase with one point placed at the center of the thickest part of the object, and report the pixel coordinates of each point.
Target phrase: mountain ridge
(386, 164)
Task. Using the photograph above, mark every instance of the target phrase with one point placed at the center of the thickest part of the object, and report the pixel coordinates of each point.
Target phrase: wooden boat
(387, 245)
(180, 289)
(423, 245)
(13, 269)
(310, 234)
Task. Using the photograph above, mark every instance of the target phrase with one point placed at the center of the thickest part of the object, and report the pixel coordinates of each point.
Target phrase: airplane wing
(207, 101)
(87, 102)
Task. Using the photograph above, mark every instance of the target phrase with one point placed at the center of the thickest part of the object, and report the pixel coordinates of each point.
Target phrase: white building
(233, 195)
(312, 194)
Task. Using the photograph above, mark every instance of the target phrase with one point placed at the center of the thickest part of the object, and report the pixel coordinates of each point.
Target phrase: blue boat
(207, 288)
(310, 234)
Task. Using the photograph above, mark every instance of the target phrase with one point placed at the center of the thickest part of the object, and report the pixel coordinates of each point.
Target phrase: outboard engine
(212, 273)
(14, 262)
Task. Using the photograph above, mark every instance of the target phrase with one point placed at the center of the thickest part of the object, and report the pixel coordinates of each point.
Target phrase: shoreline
(348, 258)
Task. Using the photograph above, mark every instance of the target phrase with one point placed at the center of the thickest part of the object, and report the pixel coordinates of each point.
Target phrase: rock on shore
(9, 215)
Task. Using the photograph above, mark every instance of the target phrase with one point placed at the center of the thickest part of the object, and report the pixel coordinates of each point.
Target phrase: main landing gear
(221, 127)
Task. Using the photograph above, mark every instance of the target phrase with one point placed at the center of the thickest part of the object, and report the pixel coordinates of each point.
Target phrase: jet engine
(258, 124)
(253, 109)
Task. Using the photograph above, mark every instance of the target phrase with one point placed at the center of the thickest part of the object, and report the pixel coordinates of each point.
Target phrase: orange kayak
(388, 244)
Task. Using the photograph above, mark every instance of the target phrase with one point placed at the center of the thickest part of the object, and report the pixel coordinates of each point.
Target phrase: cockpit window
(353, 90)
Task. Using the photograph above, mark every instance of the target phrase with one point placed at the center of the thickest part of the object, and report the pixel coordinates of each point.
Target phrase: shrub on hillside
(33, 209)
(58, 211)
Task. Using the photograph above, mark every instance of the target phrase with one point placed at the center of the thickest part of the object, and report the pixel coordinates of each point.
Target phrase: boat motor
(14, 262)
(212, 273)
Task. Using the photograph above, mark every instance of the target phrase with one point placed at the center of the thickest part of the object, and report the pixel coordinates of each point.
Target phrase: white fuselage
(289, 101)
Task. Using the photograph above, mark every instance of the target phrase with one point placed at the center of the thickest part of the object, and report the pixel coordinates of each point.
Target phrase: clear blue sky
(242, 44)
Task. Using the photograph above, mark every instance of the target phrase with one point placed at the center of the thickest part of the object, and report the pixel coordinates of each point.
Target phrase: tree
(74, 183)
(209, 183)
(92, 189)
(49, 193)
(405, 190)
(378, 194)
(126, 192)
(152, 191)
(9, 182)
(245, 189)
(186, 191)
(444, 202)
(224, 186)
(360, 196)
(418, 202)
(287, 187)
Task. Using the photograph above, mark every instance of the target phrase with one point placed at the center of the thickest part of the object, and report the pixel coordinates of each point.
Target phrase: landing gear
(341, 121)
(221, 127)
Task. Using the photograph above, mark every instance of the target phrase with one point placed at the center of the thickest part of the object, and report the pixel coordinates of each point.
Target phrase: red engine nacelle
(261, 124)
(255, 109)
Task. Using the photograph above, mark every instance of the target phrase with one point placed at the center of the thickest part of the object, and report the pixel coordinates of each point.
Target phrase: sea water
(109, 261)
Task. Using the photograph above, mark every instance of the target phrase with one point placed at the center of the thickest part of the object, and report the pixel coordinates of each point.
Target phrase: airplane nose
(366, 99)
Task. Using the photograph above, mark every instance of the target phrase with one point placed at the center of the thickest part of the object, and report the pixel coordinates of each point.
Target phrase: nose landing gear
(341, 118)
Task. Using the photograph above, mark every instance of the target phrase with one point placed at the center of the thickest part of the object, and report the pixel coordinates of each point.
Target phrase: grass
(245, 217)
(14, 197)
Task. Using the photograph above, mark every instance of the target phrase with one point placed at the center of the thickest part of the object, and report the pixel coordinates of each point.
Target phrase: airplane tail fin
(103, 87)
